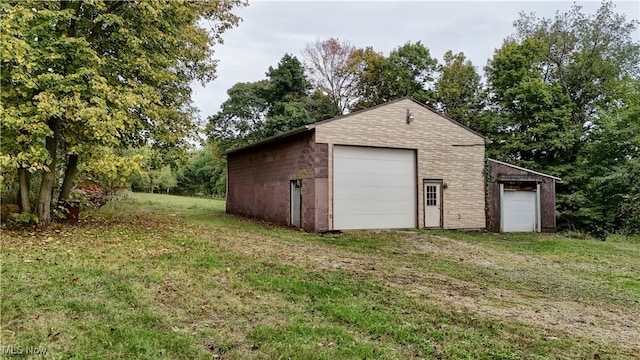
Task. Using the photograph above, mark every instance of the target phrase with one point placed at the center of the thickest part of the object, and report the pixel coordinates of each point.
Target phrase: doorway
(433, 203)
(296, 203)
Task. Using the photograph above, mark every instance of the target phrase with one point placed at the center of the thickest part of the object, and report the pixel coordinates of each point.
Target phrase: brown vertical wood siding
(501, 173)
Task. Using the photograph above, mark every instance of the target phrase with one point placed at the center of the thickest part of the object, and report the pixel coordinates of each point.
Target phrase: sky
(272, 28)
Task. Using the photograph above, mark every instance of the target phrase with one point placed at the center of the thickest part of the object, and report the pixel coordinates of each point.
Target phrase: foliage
(408, 71)
(587, 55)
(152, 170)
(139, 180)
(289, 88)
(77, 76)
(533, 127)
(110, 168)
(459, 92)
(320, 106)
(204, 174)
(267, 107)
(287, 83)
(162, 179)
(559, 99)
(23, 219)
(243, 114)
(613, 190)
(413, 69)
(369, 68)
(290, 115)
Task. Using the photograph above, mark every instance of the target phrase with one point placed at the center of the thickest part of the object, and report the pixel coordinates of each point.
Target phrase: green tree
(587, 55)
(204, 174)
(243, 114)
(413, 69)
(78, 76)
(289, 89)
(557, 87)
(534, 128)
(267, 107)
(321, 106)
(369, 67)
(163, 179)
(146, 160)
(612, 193)
(288, 82)
(110, 168)
(408, 71)
(459, 92)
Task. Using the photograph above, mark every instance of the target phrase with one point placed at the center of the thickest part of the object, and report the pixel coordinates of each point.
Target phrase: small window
(431, 196)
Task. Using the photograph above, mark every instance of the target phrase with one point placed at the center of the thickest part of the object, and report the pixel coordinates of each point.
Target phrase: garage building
(519, 199)
(396, 165)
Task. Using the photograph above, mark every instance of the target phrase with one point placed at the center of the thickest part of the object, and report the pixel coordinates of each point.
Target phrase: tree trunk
(69, 175)
(43, 209)
(23, 190)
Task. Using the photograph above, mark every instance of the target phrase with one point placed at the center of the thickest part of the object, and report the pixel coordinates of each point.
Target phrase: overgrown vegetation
(161, 276)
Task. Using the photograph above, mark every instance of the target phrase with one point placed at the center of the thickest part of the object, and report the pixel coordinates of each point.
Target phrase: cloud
(272, 28)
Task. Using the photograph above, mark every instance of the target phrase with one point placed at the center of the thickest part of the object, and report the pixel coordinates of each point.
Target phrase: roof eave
(285, 134)
(525, 169)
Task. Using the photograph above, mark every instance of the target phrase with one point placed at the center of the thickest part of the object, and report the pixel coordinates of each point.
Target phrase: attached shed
(395, 165)
(519, 199)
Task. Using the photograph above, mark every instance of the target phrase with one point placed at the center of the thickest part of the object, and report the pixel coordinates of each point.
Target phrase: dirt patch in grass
(609, 323)
(594, 320)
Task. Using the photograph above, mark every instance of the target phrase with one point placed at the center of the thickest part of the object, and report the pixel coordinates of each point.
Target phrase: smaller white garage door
(519, 211)
(373, 188)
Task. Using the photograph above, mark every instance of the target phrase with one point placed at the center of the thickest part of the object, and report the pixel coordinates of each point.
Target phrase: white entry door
(432, 204)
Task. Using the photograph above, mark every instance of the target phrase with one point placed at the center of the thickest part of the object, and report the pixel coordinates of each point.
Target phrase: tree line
(99, 92)
(560, 96)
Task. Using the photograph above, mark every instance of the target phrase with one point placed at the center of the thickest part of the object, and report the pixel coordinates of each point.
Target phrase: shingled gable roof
(310, 127)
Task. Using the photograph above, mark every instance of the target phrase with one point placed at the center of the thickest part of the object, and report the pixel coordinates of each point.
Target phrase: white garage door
(519, 211)
(373, 188)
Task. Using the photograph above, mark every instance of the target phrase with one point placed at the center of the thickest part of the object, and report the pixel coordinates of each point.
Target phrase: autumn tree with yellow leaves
(80, 78)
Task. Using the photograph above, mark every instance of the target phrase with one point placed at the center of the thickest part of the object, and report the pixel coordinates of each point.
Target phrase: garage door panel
(370, 153)
(373, 188)
(361, 192)
(355, 222)
(352, 180)
(373, 166)
(519, 211)
(376, 206)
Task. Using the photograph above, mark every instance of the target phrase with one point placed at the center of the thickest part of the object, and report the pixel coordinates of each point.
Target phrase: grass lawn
(166, 277)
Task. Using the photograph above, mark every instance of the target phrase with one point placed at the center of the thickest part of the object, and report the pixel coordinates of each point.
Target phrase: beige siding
(445, 151)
